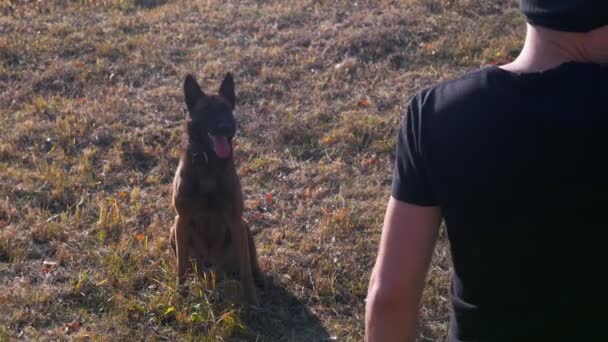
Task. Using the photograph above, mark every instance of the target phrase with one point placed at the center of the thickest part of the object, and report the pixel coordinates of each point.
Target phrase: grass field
(91, 107)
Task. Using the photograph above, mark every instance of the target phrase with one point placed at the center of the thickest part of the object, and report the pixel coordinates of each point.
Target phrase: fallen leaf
(245, 171)
(328, 140)
(364, 103)
(197, 317)
(308, 193)
(371, 161)
(251, 204)
(71, 327)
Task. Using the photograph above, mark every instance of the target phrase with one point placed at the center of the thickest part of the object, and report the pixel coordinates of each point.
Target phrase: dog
(206, 195)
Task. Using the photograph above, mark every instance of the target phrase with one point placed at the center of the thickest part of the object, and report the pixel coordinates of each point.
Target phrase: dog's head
(210, 120)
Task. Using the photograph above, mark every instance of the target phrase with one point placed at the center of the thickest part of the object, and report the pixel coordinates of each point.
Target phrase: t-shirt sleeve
(411, 182)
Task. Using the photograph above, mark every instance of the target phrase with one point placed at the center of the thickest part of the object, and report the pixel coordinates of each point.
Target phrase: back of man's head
(566, 15)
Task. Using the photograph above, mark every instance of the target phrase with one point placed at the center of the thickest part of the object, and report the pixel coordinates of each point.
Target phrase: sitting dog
(209, 229)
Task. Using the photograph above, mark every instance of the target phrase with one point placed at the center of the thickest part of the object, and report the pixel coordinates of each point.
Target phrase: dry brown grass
(90, 106)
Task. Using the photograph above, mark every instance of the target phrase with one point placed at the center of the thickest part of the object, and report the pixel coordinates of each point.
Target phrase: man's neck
(545, 49)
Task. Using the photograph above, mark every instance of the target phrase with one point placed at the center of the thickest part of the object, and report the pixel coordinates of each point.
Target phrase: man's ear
(227, 89)
(192, 92)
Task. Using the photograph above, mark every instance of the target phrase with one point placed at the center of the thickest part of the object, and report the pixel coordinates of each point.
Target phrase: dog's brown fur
(207, 198)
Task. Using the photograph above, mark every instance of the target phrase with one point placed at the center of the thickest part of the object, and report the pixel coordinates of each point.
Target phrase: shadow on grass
(282, 317)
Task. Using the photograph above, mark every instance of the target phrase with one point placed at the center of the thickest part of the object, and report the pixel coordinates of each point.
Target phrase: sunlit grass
(90, 125)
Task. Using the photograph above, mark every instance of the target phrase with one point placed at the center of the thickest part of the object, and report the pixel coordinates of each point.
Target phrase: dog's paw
(250, 297)
(260, 281)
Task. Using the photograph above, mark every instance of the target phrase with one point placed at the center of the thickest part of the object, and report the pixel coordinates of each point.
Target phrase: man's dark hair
(566, 15)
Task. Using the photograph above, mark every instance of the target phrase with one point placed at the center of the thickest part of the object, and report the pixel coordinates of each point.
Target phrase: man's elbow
(390, 315)
(386, 299)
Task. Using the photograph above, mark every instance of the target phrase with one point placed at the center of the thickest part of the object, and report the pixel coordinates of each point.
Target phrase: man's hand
(397, 281)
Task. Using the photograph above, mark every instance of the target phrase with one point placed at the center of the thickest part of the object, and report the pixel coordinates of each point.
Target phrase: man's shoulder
(468, 88)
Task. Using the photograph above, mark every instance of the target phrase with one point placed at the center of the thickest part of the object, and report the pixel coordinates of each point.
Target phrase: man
(511, 158)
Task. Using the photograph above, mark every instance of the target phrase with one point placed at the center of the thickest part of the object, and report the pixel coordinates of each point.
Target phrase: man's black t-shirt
(517, 164)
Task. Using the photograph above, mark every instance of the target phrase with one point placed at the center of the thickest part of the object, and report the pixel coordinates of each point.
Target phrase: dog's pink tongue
(221, 146)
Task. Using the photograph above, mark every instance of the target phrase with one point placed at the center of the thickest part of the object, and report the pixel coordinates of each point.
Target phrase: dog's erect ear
(227, 89)
(192, 92)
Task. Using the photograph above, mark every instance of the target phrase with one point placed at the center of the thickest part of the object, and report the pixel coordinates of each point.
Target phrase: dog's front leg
(181, 241)
(244, 255)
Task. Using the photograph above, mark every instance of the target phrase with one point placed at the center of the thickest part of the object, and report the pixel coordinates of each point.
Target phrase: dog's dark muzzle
(224, 129)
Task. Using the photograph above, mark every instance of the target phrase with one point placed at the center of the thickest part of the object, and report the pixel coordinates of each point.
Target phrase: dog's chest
(210, 226)
(211, 181)
(210, 235)
(207, 186)
(210, 204)
(212, 195)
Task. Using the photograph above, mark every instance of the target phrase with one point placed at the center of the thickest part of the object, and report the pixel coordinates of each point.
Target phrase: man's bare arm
(397, 281)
